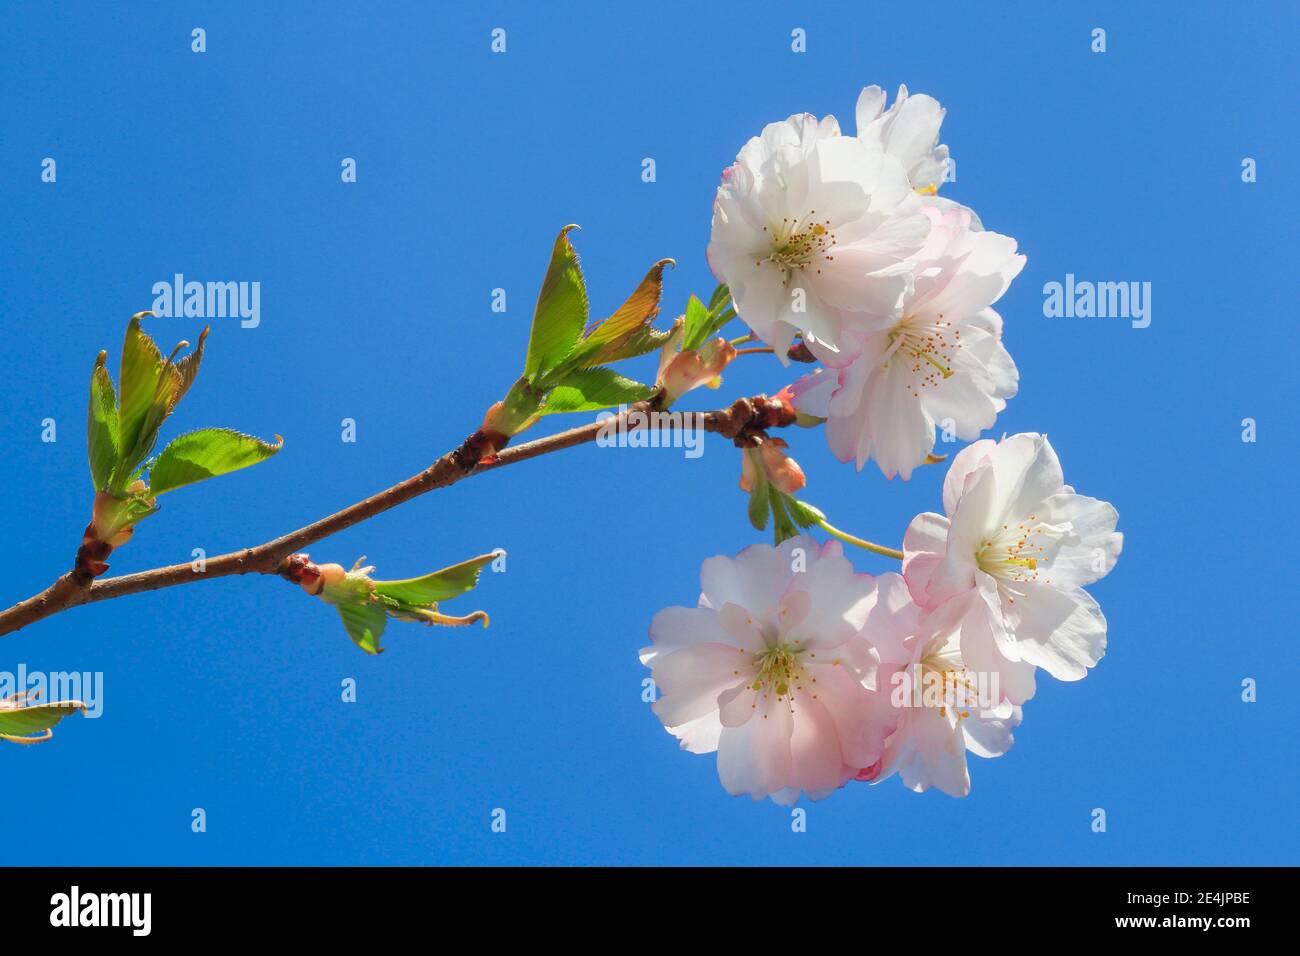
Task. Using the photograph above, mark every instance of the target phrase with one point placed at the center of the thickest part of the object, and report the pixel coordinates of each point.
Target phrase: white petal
(754, 758)
(965, 462)
(816, 762)
(848, 706)
(871, 103)
(1061, 631)
(1094, 544)
(990, 736)
(755, 579)
(691, 680)
(741, 628)
(812, 393)
(738, 705)
(838, 598)
(699, 736)
(674, 628)
(937, 755)
(980, 651)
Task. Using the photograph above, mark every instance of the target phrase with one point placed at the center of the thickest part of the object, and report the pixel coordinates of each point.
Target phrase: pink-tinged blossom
(768, 671)
(941, 363)
(941, 706)
(1006, 563)
(907, 131)
(811, 230)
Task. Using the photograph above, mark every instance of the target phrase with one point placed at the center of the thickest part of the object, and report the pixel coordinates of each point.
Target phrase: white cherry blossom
(1006, 564)
(811, 230)
(941, 361)
(908, 131)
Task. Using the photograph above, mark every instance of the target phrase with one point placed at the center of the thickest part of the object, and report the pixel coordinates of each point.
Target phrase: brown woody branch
(745, 420)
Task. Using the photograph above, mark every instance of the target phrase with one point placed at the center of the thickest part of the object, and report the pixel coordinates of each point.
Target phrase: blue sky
(225, 165)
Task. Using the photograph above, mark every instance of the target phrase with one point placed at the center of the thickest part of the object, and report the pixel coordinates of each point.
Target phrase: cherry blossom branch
(739, 422)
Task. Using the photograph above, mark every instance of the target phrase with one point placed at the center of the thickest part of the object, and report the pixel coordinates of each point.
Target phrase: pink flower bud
(782, 470)
(778, 468)
(748, 470)
(690, 369)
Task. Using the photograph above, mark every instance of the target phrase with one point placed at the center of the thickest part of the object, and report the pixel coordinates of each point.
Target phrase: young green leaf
(804, 514)
(156, 386)
(440, 585)
(721, 296)
(187, 369)
(206, 453)
(624, 334)
(698, 322)
(142, 364)
(18, 722)
(365, 624)
(561, 312)
(101, 429)
(782, 527)
(589, 389)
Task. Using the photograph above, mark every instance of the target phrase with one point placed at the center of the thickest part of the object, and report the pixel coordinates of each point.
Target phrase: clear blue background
(376, 306)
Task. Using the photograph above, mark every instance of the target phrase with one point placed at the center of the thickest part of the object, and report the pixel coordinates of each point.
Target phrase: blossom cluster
(801, 673)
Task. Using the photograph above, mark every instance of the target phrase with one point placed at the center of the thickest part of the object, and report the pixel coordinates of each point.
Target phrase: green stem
(860, 542)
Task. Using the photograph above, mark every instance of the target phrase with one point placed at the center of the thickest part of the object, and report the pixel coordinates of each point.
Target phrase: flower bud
(776, 467)
(331, 574)
(501, 422)
(690, 369)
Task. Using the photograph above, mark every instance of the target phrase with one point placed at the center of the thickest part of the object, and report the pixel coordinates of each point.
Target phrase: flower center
(929, 346)
(1019, 552)
(778, 669)
(946, 683)
(798, 243)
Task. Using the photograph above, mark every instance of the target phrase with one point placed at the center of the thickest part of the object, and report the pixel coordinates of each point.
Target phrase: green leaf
(628, 332)
(439, 586)
(698, 321)
(721, 296)
(187, 370)
(365, 624)
(101, 429)
(151, 388)
(782, 527)
(759, 505)
(804, 514)
(206, 453)
(561, 312)
(641, 342)
(589, 389)
(142, 364)
(719, 321)
(18, 723)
